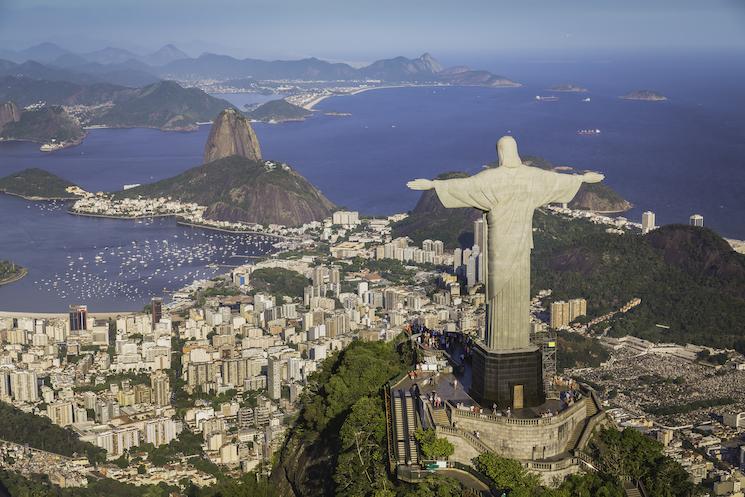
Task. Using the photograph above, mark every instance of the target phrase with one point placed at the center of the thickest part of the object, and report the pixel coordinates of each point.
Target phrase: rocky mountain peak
(231, 134)
(430, 63)
(9, 113)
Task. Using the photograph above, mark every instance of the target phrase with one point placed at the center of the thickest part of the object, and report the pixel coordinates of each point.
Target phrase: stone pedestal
(498, 375)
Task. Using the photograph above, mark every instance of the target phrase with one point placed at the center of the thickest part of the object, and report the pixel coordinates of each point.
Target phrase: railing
(430, 416)
(587, 461)
(591, 423)
(505, 420)
(475, 442)
(389, 428)
(551, 465)
(637, 484)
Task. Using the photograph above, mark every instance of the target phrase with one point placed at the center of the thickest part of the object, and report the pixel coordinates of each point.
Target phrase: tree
(432, 446)
(360, 465)
(506, 474)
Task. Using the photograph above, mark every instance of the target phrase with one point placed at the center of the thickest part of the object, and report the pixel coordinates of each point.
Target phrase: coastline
(123, 218)
(16, 277)
(183, 222)
(38, 199)
(179, 221)
(310, 105)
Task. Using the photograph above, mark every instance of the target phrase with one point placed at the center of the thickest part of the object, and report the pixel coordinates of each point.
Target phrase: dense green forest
(36, 183)
(578, 259)
(15, 485)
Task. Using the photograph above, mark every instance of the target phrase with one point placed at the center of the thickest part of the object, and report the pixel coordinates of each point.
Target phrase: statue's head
(507, 152)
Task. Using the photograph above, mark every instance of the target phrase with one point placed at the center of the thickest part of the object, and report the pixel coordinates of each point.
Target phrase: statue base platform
(512, 378)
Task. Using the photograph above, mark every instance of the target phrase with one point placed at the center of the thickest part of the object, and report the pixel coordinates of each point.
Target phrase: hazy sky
(361, 30)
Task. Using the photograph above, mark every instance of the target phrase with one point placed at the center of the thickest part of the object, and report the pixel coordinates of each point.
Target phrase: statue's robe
(508, 196)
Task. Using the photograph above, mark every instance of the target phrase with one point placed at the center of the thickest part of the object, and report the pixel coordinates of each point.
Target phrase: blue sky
(362, 30)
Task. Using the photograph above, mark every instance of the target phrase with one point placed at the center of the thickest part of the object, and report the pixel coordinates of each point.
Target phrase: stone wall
(525, 439)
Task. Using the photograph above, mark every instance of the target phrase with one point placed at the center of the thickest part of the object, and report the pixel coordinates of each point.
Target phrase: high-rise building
(78, 317)
(559, 314)
(156, 308)
(60, 412)
(24, 386)
(274, 378)
(159, 431)
(479, 233)
(161, 388)
(577, 308)
(471, 270)
(648, 222)
(457, 259)
(346, 218)
(438, 246)
(696, 220)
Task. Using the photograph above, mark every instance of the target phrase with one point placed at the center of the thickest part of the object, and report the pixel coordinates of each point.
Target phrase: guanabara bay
(372, 249)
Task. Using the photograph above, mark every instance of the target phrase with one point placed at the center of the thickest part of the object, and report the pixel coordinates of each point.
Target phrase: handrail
(550, 465)
(475, 442)
(558, 418)
(389, 428)
(591, 423)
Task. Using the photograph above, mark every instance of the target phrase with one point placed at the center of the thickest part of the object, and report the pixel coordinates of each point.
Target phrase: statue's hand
(420, 184)
(592, 177)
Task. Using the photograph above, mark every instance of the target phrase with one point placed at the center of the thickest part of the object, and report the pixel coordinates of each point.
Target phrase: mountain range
(119, 66)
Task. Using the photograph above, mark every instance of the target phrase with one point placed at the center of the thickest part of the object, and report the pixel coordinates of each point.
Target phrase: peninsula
(234, 189)
(278, 111)
(38, 184)
(51, 126)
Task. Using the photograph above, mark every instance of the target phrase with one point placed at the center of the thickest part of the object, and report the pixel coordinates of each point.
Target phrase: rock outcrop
(9, 113)
(231, 134)
(238, 189)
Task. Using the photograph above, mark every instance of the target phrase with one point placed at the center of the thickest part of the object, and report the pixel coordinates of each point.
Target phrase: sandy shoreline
(313, 103)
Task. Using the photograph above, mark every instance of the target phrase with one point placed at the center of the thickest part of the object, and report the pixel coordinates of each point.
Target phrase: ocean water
(676, 158)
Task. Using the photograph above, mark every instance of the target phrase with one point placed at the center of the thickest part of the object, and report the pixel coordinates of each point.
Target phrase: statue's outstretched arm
(592, 177)
(421, 184)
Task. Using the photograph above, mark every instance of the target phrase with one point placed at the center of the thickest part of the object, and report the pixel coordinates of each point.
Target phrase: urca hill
(237, 185)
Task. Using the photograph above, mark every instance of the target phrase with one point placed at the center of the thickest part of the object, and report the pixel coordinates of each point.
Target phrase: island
(38, 184)
(646, 95)
(278, 111)
(11, 272)
(569, 89)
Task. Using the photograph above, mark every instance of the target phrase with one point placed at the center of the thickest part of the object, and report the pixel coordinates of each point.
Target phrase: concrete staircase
(631, 490)
(440, 416)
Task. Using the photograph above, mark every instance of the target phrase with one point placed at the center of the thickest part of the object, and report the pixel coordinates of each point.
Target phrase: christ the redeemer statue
(508, 195)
